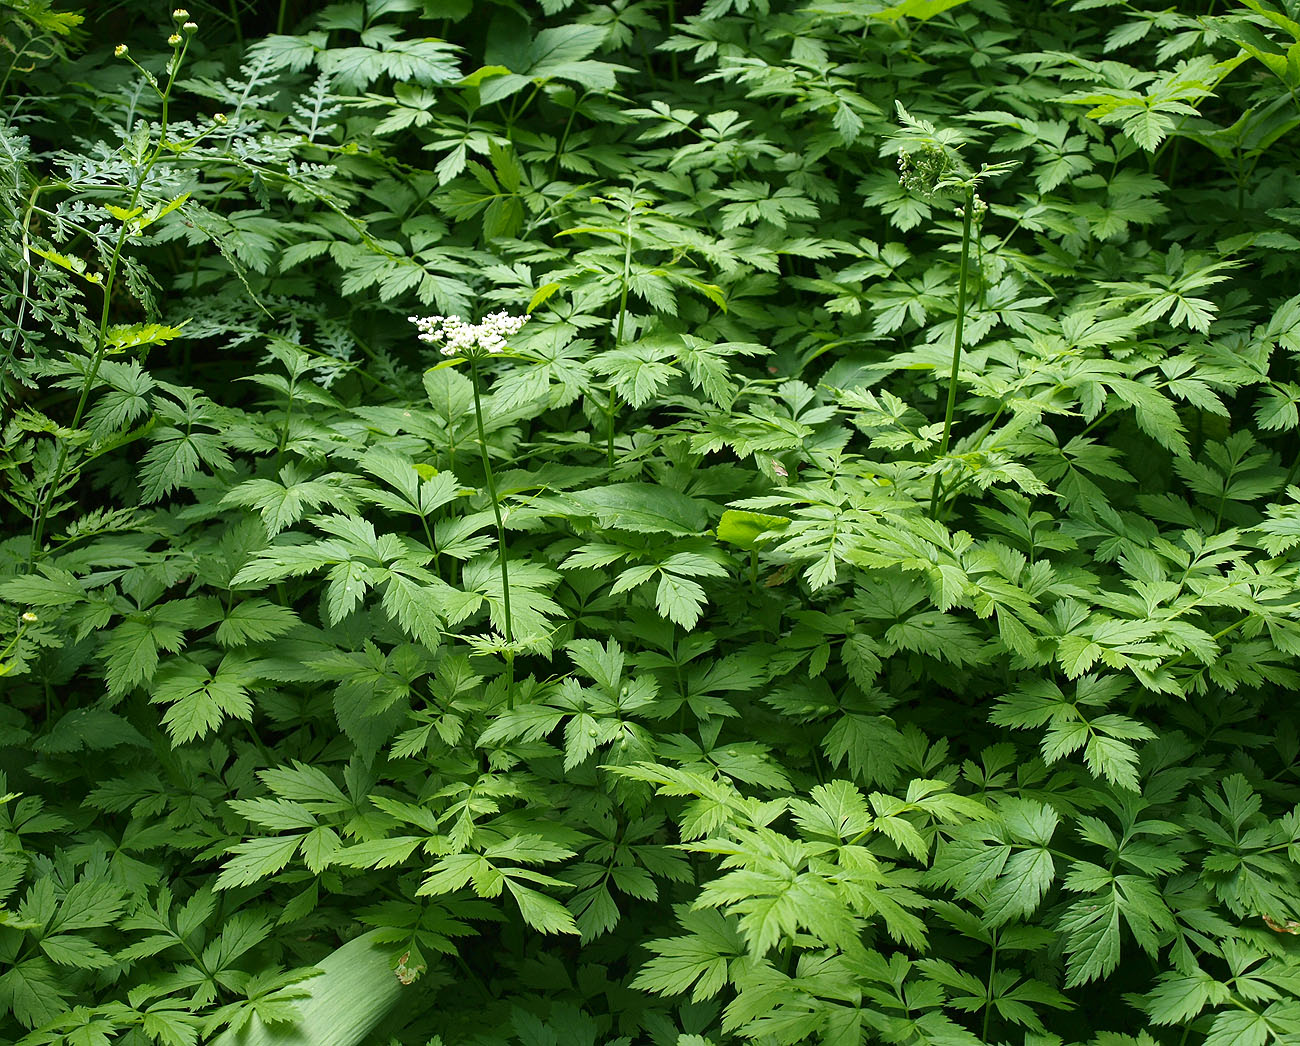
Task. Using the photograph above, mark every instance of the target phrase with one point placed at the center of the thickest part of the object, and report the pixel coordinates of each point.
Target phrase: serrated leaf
(542, 912)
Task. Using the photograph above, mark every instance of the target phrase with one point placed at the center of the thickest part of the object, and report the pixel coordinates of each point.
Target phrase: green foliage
(858, 606)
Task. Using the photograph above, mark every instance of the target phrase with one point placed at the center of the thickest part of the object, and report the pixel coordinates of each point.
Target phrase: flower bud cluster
(459, 338)
(922, 171)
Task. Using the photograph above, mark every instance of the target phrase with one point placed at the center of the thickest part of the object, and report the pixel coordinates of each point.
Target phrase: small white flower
(174, 39)
(30, 618)
(460, 338)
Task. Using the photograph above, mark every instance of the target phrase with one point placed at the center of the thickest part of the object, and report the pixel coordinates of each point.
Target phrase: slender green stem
(288, 422)
(610, 412)
(101, 336)
(564, 140)
(428, 537)
(672, 22)
(956, 343)
(1213, 639)
(988, 1001)
(1291, 472)
(22, 627)
(280, 18)
(502, 554)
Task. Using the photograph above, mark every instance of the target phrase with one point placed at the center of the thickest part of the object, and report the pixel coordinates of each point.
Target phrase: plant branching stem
(101, 335)
(969, 206)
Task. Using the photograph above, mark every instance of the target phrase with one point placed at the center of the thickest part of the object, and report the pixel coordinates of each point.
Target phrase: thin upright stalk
(968, 207)
(988, 1001)
(502, 553)
(610, 413)
(564, 140)
(288, 422)
(672, 23)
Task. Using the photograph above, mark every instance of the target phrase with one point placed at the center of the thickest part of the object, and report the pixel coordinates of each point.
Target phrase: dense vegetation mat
(820, 567)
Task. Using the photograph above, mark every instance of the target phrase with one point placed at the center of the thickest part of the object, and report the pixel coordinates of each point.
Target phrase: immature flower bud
(191, 27)
(120, 51)
(30, 618)
(180, 14)
(921, 171)
(174, 39)
(220, 118)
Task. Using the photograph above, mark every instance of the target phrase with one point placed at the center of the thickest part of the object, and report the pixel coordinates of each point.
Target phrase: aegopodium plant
(474, 341)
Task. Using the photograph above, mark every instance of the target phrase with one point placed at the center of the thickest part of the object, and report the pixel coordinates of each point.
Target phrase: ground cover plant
(754, 521)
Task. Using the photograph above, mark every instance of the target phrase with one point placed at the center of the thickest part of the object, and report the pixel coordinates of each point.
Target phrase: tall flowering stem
(929, 165)
(963, 269)
(610, 414)
(496, 502)
(474, 341)
(179, 43)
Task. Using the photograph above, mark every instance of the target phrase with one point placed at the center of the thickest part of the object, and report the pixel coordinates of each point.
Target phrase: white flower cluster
(459, 338)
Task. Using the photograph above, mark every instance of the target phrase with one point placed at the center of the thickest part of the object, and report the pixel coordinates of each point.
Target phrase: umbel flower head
(459, 338)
